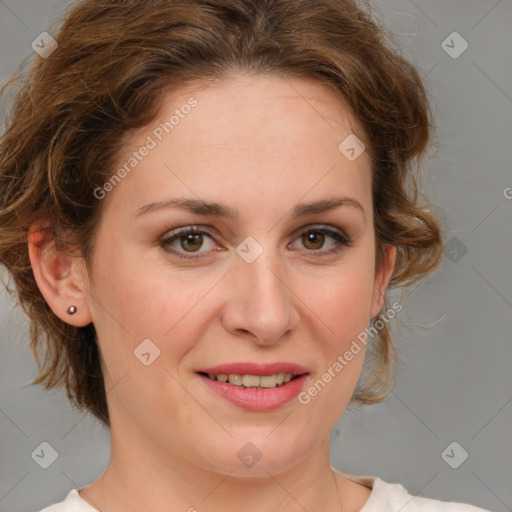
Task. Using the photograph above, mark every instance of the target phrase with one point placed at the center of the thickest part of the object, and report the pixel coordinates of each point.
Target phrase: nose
(261, 304)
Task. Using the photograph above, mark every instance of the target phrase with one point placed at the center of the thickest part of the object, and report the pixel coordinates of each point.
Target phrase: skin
(258, 144)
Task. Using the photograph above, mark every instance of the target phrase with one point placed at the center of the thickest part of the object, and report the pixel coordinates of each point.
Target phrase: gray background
(454, 382)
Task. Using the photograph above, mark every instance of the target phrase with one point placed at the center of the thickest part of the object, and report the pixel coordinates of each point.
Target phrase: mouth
(253, 386)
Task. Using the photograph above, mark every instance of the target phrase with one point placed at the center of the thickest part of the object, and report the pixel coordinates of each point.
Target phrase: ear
(59, 276)
(382, 278)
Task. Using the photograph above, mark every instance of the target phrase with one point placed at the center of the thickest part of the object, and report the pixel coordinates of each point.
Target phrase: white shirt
(385, 497)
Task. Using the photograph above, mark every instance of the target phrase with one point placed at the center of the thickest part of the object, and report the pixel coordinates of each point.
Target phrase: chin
(257, 453)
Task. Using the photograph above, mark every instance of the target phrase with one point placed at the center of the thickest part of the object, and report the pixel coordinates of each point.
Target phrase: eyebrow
(200, 207)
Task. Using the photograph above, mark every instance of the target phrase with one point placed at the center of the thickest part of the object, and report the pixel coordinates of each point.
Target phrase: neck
(170, 482)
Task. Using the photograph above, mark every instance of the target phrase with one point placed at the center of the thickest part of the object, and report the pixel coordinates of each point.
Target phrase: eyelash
(343, 241)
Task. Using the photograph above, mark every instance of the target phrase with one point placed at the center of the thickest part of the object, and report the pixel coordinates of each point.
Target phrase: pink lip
(256, 369)
(256, 399)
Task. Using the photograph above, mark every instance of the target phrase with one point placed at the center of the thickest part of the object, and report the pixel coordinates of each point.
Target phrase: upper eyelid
(199, 228)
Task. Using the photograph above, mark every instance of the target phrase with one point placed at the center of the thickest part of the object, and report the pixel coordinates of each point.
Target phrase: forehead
(265, 97)
(240, 135)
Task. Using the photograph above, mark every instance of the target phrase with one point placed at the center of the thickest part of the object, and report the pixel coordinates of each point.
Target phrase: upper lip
(257, 369)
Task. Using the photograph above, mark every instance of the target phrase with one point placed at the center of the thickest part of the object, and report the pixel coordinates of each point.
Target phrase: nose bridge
(264, 279)
(262, 304)
(265, 276)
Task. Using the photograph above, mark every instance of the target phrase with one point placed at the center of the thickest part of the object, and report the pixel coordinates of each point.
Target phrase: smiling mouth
(275, 380)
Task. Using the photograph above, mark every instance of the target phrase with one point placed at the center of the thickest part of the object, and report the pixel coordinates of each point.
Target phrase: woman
(216, 197)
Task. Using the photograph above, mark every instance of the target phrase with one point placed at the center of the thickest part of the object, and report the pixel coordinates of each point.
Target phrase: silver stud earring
(71, 310)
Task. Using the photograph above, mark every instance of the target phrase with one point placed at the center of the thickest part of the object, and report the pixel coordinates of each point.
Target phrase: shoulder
(394, 497)
(71, 503)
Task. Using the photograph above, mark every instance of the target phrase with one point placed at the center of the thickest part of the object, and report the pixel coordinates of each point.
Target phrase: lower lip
(257, 399)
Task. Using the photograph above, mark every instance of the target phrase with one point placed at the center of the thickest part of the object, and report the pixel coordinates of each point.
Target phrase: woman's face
(266, 282)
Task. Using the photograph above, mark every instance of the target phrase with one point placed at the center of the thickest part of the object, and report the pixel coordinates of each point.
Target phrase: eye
(314, 239)
(186, 242)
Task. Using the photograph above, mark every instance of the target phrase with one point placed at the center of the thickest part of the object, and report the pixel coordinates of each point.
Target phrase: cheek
(145, 301)
(340, 312)
(341, 301)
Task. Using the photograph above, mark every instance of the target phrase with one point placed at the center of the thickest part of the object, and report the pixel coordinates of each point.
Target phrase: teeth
(236, 380)
(269, 381)
(250, 381)
(253, 381)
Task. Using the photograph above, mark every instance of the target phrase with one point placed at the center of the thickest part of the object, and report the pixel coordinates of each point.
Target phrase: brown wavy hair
(115, 60)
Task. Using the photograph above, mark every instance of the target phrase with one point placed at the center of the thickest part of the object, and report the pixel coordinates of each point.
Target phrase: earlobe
(382, 278)
(56, 277)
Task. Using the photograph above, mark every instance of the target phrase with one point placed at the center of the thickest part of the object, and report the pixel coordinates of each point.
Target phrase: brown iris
(193, 240)
(314, 237)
